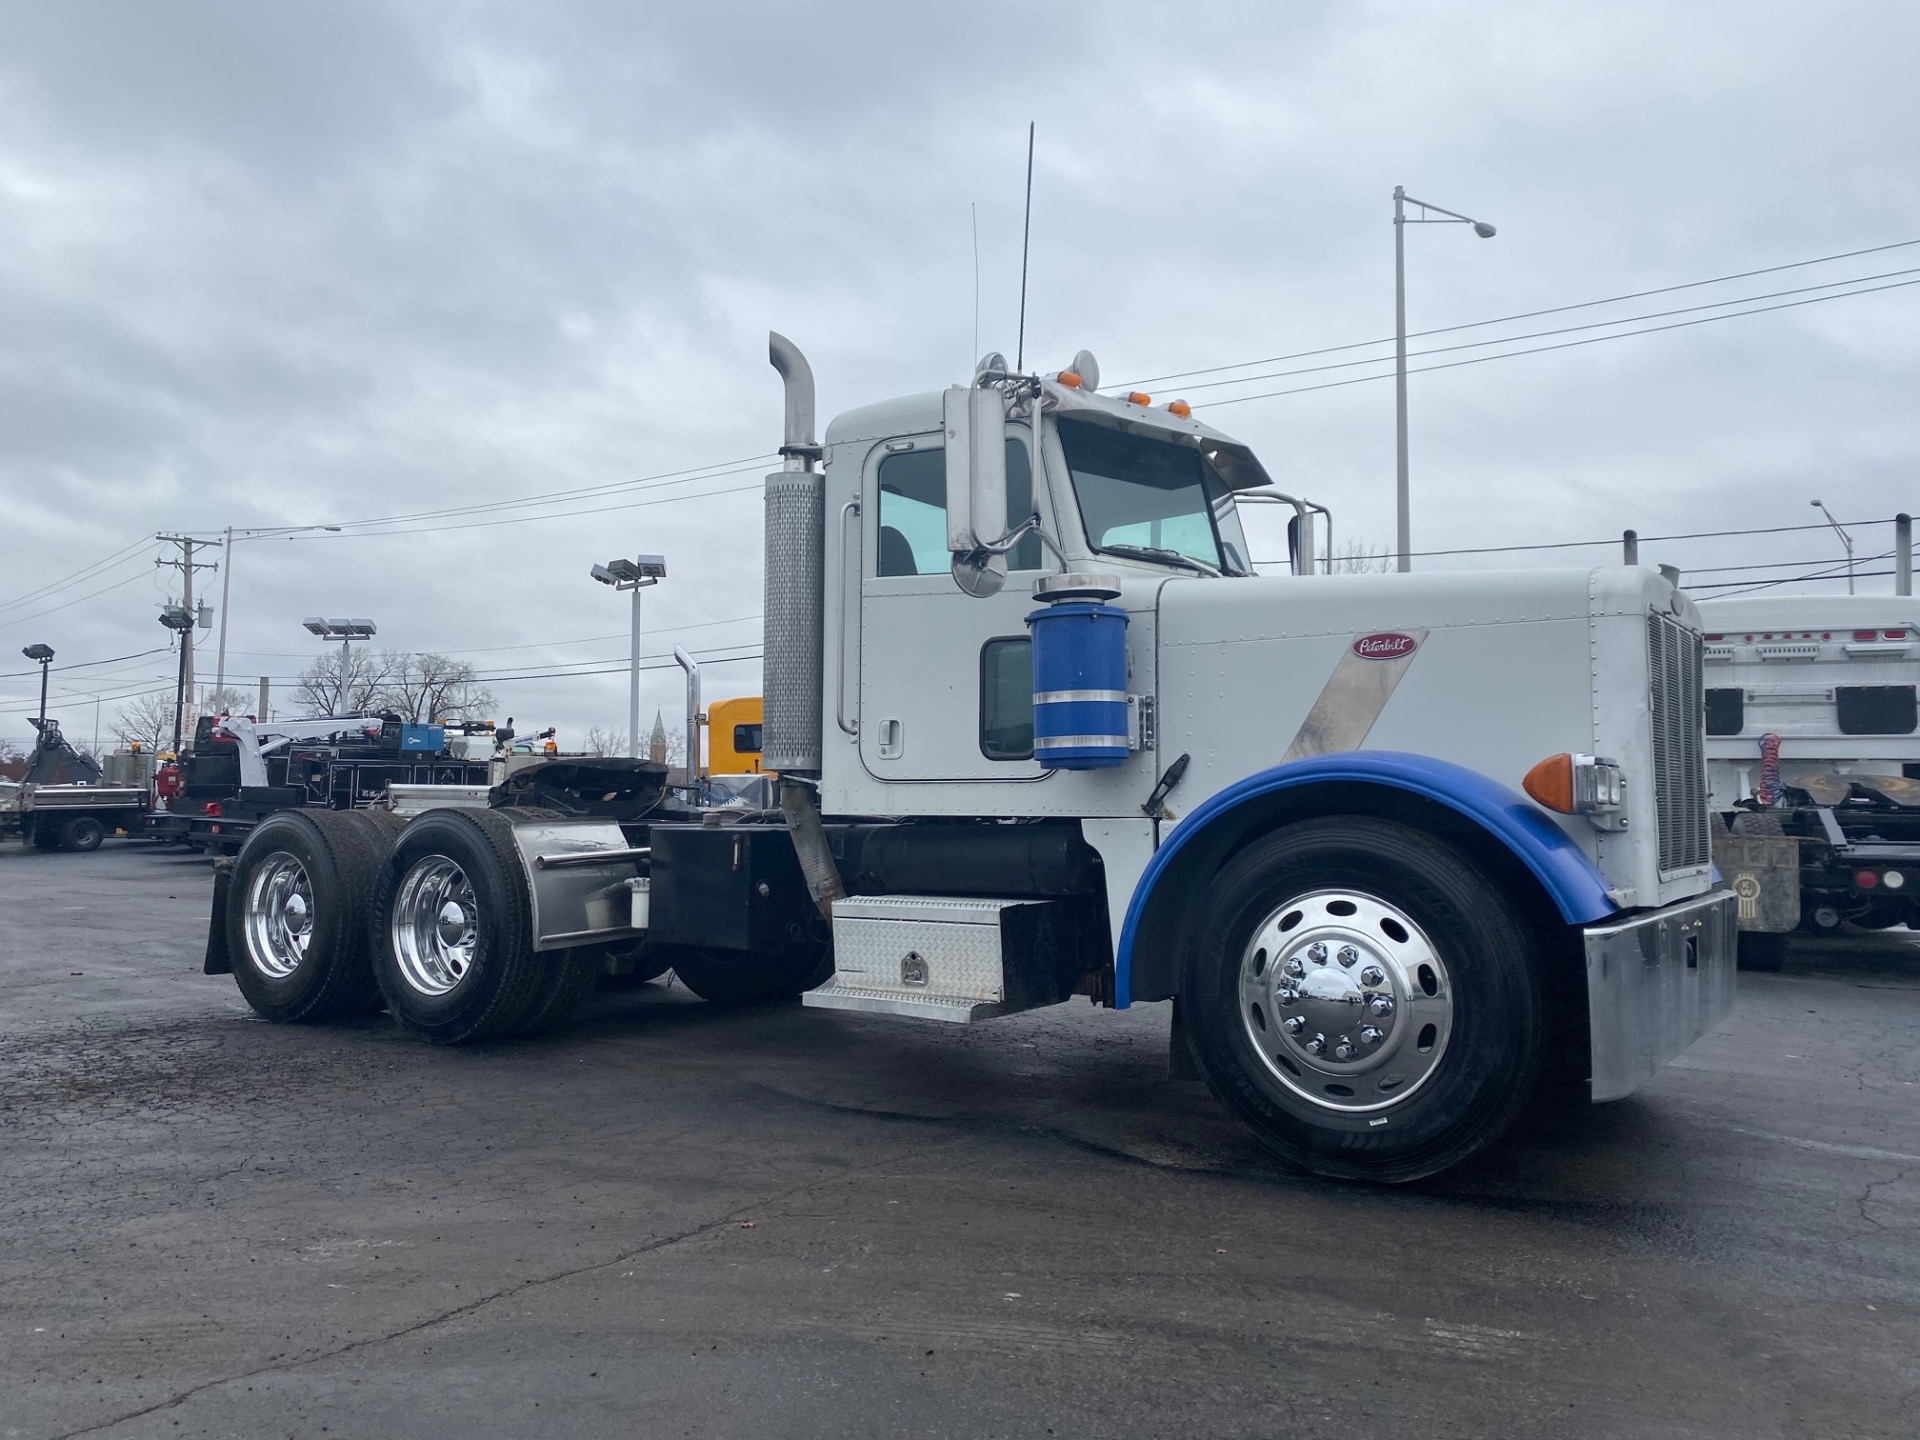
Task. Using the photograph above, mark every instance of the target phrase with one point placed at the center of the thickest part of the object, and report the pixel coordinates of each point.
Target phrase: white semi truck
(1813, 760)
(1393, 845)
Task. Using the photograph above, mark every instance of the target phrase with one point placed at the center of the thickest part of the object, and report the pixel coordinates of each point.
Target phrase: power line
(117, 558)
(556, 515)
(77, 600)
(1530, 314)
(85, 664)
(1644, 539)
(1563, 330)
(1563, 345)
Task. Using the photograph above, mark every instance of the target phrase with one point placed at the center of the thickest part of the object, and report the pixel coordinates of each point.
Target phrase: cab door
(945, 679)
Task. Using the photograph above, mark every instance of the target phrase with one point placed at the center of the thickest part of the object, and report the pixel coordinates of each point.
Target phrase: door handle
(852, 507)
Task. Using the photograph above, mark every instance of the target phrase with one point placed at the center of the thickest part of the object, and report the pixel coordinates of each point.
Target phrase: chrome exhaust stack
(795, 565)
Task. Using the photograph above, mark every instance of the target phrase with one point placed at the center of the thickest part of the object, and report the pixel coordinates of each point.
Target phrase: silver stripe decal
(1062, 742)
(1063, 697)
(1351, 700)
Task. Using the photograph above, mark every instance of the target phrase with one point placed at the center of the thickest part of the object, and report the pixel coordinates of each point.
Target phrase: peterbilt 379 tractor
(1393, 845)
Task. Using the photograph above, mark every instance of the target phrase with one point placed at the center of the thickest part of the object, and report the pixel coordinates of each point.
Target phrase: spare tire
(452, 928)
(297, 919)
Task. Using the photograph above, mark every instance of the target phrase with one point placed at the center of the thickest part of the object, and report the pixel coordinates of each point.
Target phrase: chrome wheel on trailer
(434, 926)
(1346, 1001)
(279, 915)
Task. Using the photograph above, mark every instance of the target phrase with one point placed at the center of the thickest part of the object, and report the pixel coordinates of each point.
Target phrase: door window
(913, 513)
(1006, 699)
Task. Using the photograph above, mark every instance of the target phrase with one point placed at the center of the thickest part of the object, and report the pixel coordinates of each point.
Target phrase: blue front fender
(1562, 868)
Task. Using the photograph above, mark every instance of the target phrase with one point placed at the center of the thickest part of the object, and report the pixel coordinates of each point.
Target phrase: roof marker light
(1180, 408)
(1069, 378)
(1135, 397)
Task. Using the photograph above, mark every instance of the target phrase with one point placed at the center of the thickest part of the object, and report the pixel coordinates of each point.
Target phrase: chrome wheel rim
(279, 915)
(435, 925)
(1346, 1001)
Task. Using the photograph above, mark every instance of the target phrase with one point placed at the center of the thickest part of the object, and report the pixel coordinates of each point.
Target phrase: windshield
(1152, 500)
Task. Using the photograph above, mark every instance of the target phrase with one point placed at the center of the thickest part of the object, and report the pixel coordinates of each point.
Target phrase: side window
(913, 513)
(1006, 699)
(746, 739)
(1726, 711)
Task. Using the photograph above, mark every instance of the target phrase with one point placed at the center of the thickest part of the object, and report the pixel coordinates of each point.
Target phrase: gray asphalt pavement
(672, 1219)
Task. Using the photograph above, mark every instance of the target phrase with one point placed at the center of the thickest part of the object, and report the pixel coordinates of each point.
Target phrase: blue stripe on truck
(1562, 867)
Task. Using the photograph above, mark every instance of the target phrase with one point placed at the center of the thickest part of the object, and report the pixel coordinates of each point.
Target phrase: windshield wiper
(1154, 552)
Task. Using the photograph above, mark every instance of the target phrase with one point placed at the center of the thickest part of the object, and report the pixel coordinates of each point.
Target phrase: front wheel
(82, 833)
(1364, 999)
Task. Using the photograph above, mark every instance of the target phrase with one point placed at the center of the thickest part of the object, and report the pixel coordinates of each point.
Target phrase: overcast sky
(289, 264)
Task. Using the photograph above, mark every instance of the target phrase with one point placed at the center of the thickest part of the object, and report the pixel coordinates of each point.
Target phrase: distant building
(657, 741)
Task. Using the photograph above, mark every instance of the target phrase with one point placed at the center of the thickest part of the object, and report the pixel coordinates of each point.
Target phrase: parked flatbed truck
(1393, 845)
(62, 802)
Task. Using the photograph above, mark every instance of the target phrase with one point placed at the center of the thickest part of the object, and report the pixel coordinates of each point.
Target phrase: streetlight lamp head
(605, 576)
(651, 566)
(315, 625)
(42, 653)
(1484, 230)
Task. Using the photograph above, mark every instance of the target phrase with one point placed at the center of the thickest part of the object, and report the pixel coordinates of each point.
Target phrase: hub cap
(434, 926)
(279, 915)
(1345, 1000)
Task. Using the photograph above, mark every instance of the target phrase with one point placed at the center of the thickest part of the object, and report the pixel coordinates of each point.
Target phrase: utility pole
(186, 565)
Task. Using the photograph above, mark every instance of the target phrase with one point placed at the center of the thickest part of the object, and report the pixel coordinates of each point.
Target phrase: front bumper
(1655, 984)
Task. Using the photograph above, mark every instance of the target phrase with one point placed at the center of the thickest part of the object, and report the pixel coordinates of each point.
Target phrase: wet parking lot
(670, 1219)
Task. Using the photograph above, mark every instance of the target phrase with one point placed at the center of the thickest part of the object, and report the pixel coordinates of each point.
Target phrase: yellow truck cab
(733, 736)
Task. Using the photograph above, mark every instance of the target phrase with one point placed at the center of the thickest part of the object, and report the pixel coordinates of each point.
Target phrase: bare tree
(13, 760)
(147, 719)
(227, 702)
(343, 682)
(606, 742)
(1354, 558)
(424, 686)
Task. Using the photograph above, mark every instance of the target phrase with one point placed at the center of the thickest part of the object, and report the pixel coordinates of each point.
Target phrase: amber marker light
(1069, 379)
(1180, 408)
(1135, 397)
(1551, 783)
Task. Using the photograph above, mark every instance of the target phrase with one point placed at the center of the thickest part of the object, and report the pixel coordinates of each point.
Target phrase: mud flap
(218, 962)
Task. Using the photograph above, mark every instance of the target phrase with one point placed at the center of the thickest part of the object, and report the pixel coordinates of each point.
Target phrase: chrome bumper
(1655, 984)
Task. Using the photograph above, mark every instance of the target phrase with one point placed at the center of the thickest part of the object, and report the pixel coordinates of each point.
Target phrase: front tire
(297, 919)
(1363, 998)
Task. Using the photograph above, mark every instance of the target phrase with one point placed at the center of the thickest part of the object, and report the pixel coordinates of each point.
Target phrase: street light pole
(226, 583)
(1402, 503)
(1845, 539)
(633, 683)
(41, 655)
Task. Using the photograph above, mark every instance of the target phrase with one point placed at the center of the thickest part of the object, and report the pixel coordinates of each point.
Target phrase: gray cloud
(279, 264)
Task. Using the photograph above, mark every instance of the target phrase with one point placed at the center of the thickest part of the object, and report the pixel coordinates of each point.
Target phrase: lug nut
(1294, 1024)
(1287, 995)
(1317, 952)
(1317, 1043)
(1344, 1049)
(1348, 955)
(1372, 975)
(1295, 968)
(1381, 1004)
(1371, 1035)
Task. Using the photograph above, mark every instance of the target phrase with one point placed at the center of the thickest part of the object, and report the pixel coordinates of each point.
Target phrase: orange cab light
(1180, 408)
(1135, 397)
(1551, 783)
(1069, 379)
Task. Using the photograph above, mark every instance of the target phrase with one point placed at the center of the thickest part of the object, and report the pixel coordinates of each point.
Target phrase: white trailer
(1391, 844)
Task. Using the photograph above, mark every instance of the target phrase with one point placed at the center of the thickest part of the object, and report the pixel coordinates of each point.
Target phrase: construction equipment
(60, 802)
(1392, 844)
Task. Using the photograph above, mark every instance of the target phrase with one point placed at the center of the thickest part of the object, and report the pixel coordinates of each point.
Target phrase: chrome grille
(1676, 705)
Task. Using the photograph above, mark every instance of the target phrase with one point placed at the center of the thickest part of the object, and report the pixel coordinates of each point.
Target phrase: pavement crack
(1866, 1196)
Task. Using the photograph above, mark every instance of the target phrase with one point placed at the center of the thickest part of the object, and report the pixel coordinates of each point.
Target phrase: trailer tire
(1416, 1046)
(296, 915)
(82, 833)
(1762, 950)
(452, 928)
(735, 977)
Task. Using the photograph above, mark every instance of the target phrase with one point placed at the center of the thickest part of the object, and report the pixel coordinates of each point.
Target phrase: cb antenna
(1026, 236)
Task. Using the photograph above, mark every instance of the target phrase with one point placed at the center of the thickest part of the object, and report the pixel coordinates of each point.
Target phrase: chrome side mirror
(976, 474)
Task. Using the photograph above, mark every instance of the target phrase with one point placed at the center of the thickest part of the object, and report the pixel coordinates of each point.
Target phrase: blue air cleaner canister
(1079, 673)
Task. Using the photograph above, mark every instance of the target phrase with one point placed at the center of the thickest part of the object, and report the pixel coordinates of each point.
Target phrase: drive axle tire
(82, 833)
(453, 931)
(1762, 950)
(297, 914)
(1362, 997)
(567, 979)
(735, 977)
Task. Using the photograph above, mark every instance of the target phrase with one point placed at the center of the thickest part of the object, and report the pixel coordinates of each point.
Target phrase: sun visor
(1236, 463)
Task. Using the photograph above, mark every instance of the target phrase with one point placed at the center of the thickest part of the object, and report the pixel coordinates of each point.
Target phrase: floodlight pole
(633, 683)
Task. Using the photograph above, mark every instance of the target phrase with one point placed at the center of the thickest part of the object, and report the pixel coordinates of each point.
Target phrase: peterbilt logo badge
(1385, 646)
